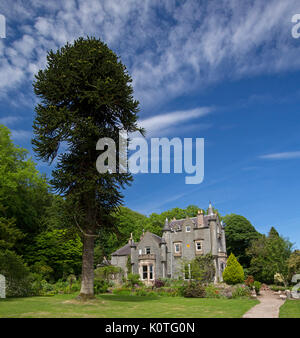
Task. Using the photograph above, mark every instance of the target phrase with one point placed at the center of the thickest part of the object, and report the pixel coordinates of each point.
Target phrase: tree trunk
(87, 278)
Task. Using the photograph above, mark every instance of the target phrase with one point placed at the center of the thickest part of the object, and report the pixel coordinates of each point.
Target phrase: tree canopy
(239, 234)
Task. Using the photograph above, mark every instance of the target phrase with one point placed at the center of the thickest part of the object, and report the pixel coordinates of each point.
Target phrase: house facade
(156, 257)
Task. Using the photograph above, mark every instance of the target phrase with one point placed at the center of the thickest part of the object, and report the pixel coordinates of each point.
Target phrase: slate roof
(124, 251)
(178, 223)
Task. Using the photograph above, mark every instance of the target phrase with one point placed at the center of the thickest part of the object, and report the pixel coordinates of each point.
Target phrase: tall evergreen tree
(85, 95)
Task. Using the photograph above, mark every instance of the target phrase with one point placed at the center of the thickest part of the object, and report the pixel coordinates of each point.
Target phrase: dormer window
(147, 250)
(187, 228)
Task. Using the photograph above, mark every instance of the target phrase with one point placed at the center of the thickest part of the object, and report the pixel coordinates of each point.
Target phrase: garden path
(267, 308)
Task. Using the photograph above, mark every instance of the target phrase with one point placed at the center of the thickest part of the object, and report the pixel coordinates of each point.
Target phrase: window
(198, 246)
(187, 228)
(150, 271)
(140, 251)
(177, 247)
(145, 272)
(147, 250)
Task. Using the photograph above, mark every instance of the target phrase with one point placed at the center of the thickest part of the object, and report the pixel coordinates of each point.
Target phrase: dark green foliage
(100, 286)
(294, 264)
(233, 273)
(17, 274)
(9, 233)
(58, 249)
(204, 267)
(239, 234)
(194, 290)
(269, 255)
(85, 95)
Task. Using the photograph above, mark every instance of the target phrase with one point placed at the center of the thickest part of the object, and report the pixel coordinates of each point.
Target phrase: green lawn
(113, 306)
(290, 309)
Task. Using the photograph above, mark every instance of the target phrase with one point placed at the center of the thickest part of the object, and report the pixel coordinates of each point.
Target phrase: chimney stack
(200, 219)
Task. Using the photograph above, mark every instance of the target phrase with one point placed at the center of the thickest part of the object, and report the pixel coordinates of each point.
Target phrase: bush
(241, 292)
(17, 274)
(257, 286)
(194, 290)
(277, 288)
(133, 279)
(109, 273)
(100, 286)
(159, 283)
(233, 273)
(249, 281)
(212, 292)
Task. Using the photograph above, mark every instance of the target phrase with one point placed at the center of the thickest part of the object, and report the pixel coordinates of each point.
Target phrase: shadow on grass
(120, 298)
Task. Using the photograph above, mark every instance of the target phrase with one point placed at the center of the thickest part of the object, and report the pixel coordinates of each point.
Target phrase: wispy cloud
(161, 124)
(21, 135)
(9, 120)
(175, 47)
(281, 156)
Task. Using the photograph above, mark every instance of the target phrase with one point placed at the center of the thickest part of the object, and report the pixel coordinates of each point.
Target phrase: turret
(213, 231)
(166, 226)
(210, 210)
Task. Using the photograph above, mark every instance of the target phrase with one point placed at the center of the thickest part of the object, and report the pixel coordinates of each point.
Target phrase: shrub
(133, 279)
(241, 291)
(212, 292)
(194, 290)
(233, 273)
(141, 292)
(277, 288)
(257, 286)
(17, 274)
(249, 281)
(100, 286)
(109, 273)
(159, 283)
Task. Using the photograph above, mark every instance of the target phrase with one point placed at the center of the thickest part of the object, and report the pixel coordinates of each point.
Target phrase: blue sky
(237, 60)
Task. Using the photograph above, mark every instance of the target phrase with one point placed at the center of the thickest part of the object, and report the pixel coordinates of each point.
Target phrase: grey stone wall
(2, 287)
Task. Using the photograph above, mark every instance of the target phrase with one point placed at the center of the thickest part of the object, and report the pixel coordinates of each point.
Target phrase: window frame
(196, 246)
(179, 246)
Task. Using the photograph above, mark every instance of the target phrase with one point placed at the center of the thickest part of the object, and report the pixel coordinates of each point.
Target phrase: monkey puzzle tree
(85, 95)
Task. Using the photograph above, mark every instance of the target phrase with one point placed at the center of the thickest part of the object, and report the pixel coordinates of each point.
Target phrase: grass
(113, 306)
(290, 309)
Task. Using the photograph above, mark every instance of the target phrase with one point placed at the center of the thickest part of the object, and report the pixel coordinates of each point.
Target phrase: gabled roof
(124, 251)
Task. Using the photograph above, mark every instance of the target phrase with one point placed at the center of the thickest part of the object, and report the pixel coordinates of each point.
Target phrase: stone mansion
(156, 257)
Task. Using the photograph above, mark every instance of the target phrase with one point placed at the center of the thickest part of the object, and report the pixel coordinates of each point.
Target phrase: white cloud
(282, 156)
(9, 120)
(161, 124)
(170, 48)
(21, 135)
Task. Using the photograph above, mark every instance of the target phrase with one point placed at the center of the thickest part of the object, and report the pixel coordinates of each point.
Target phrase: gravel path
(267, 308)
